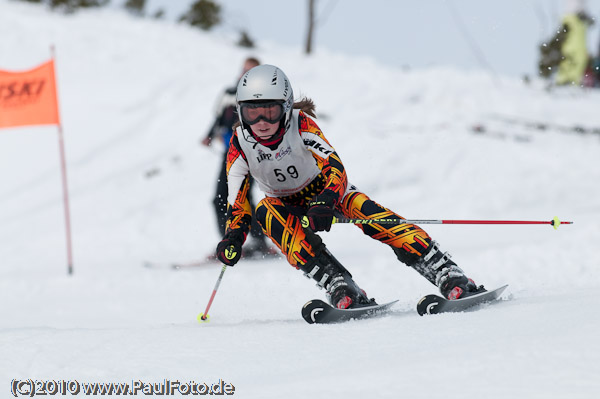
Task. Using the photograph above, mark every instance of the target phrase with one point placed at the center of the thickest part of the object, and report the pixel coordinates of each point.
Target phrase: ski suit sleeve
(327, 159)
(239, 211)
(224, 114)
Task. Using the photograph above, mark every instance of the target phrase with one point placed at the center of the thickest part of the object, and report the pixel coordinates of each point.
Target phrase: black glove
(320, 211)
(229, 250)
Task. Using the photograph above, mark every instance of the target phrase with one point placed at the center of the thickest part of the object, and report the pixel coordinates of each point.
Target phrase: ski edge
(463, 304)
(312, 308)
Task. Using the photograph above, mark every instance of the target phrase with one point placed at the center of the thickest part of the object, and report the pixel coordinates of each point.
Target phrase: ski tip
(501, 289)
(203, 318)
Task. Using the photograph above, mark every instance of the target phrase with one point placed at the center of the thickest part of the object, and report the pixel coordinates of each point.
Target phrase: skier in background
(280, 145)
(575, 57)
(592, 77)
(222, 129)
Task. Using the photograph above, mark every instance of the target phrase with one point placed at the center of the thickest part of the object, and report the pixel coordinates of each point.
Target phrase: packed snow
(136, 97)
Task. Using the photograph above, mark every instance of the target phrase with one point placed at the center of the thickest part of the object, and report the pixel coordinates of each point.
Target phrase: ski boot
(440, 270)
(459, 287)
(341, 290)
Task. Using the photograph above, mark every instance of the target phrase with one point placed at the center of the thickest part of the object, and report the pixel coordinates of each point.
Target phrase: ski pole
(554, 222)
(203, 317)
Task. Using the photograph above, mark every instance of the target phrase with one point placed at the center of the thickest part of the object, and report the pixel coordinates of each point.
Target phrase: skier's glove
(229, 250)
(320, 211)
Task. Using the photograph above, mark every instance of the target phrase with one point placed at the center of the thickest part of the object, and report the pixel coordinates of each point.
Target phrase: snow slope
(137, 95)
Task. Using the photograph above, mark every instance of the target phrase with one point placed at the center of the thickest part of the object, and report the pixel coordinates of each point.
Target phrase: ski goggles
(271, 112)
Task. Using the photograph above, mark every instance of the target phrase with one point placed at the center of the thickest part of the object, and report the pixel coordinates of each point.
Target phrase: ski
(317, 311)
(209, 260)
(484, 130)
(544, 126)
(181, 265)
(433, 304)
(497, 127)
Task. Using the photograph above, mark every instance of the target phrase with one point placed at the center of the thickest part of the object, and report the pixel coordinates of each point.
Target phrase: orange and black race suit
(290, 174)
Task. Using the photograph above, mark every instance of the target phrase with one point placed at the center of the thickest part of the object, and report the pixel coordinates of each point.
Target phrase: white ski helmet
(265, 84)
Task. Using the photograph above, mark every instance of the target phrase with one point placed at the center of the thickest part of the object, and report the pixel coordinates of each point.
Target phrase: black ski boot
(437, 267)
(342, 292)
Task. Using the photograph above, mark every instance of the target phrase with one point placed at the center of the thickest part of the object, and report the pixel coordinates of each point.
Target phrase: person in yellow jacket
(278, 143)
(574, 51)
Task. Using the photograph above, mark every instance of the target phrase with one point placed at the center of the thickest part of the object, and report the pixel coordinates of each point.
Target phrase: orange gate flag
(29, 97)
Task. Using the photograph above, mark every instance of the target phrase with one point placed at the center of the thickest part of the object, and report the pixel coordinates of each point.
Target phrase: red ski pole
(554, 222)
(203, 317)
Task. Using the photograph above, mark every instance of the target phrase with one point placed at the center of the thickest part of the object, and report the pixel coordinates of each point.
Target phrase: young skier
(301, 174)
